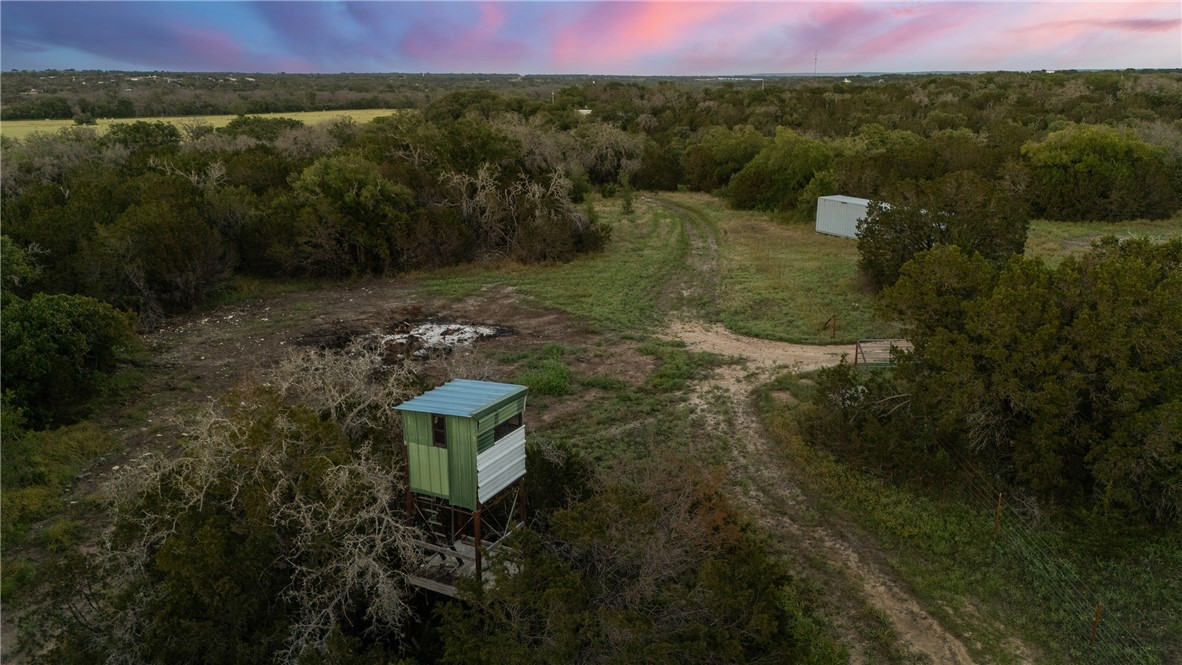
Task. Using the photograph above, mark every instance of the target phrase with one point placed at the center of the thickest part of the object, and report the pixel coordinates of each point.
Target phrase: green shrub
(550, 376)
(22, 506)
(546, 373)
(603, 382)
(263, 129)
(17, 574)
(779, 175)
(58, 350)
(677, 365)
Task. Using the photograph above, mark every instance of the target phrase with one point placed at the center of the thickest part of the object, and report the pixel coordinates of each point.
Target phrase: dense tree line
(147, 218)
(1065, 144)
(117, 94)
(1064, 381)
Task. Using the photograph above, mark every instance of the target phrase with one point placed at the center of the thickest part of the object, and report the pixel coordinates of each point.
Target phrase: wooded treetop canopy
(463, 397)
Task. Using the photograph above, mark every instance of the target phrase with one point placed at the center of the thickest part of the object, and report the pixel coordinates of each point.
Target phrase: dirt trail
(769, 493)
(761, 354)
(774, 500)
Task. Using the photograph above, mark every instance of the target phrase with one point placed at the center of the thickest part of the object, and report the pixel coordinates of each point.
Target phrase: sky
(684, 37)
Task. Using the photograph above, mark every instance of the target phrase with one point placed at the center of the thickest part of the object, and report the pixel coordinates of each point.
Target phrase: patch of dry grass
(19, 129)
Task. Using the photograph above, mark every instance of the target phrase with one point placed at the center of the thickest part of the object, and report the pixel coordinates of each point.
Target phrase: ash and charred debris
(408, 338)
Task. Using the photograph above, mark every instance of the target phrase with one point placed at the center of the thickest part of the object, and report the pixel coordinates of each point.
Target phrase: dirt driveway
(774, 500)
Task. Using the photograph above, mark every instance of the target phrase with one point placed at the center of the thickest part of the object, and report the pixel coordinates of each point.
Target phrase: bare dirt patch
(759, 354)
(197, 358)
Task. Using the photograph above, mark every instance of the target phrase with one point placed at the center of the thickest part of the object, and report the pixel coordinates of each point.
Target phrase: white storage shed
(838, 215)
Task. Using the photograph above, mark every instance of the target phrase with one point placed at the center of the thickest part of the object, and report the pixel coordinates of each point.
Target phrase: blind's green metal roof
(462, 397)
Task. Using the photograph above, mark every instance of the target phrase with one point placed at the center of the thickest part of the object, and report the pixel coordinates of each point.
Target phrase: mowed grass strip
(783, 280)
(1051, 241)
(19, 129)
(616, 289)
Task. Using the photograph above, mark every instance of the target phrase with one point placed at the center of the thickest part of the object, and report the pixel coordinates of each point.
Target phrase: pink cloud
(1078, 35)
(624, 37)
(479, 39)
(835, 30)
(620, 32)
(220, 49)
(1125, 25)
(919, 30)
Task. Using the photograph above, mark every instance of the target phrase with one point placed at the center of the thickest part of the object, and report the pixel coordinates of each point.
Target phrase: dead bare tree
(486, 206)
(354, 387)
(500, 212)
(211, 177)
(543, 148)
(263, 459)
(307, 141)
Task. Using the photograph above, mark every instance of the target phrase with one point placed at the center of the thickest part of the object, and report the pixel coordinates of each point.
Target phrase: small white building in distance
(838, 215)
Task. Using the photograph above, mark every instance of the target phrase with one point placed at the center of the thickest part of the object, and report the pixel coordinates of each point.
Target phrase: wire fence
(1089, 631)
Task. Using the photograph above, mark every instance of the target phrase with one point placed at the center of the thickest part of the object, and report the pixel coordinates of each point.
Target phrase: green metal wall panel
(498, 411)
(416, 427)
(429, 470)
(485, 424)
(461, 448)
(484, 440)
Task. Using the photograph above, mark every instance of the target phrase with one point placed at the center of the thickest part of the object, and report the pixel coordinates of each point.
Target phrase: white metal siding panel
(838, 217)
(499, 466)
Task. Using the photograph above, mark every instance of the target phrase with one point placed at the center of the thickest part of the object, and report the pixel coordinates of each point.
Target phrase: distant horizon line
(732, 76)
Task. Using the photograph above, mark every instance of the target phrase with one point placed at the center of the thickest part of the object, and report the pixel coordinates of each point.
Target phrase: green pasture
(617, 289)
(775, 280)
(18, 129)
(1051, 241)
(783, 280)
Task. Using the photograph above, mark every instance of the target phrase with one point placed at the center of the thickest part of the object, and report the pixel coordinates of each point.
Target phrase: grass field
(1053, 240)
(783, 280)
(775, 281)
(617, 289)
(18, 129)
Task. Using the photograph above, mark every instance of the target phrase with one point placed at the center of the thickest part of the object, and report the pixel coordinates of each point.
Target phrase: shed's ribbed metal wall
(839, 215)
(499, 466)
(461, 449)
